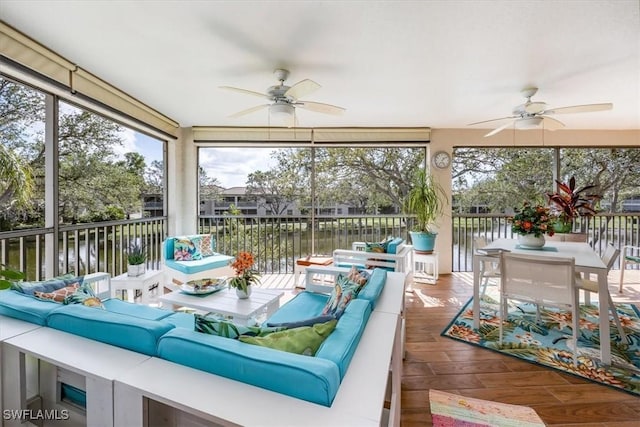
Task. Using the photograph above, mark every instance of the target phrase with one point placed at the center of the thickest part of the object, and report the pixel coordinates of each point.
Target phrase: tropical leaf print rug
(548, 341)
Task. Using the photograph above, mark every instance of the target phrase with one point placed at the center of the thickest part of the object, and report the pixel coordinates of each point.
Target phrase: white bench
(401, 261)
(158, 390)
(62, 357)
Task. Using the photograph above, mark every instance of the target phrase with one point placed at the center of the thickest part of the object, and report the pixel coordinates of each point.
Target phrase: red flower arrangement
(536, 220)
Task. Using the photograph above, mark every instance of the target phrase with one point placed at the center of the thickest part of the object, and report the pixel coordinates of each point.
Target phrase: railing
(83, 248)
(276, 240)
(618, 229)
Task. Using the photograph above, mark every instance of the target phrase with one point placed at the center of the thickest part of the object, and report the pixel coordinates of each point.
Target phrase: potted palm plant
(426, 200)
(570, 203)
(136, 260)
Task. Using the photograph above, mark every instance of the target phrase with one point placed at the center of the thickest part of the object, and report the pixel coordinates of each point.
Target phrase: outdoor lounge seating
(392, 255)
(193, 257)
(143, 336)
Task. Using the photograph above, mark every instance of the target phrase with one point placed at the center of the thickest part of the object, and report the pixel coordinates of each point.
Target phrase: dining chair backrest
(610, 255)
(479, 242)
(541, 279)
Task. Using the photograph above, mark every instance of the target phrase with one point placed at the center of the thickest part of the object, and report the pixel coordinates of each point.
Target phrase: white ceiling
(441, 64)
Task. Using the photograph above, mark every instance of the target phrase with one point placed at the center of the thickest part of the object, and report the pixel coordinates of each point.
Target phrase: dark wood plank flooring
(441, 363)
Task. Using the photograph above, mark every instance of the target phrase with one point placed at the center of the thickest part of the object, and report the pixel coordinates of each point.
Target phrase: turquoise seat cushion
(392, 246)
(340, 346)
(129, 332)
(182, 320)
(115, 305)
(25, 307)
(312, 379)
(303, 306)
(200, 265)
(372, 290)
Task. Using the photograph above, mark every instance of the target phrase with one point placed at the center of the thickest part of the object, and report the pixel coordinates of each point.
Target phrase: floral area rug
(547, 342)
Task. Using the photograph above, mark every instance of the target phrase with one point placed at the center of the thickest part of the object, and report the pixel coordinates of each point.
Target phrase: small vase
(242, 294)
(530, 241)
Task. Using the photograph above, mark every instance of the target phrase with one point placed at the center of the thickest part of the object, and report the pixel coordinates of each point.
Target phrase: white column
(182, 198)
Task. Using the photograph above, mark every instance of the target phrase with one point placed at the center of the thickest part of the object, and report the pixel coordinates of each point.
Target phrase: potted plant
(245, 274)
(531, 223)
(571, 203)
(426, 200)
(136, 260)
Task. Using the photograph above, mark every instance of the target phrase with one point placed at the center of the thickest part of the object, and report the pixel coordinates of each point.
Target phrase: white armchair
(399, 257)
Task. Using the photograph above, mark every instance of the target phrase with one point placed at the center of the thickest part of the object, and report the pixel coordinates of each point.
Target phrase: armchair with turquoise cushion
(193, 257)
(628, 255)
(392, 255)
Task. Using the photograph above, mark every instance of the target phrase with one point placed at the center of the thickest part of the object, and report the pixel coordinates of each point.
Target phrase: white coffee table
(262, 302)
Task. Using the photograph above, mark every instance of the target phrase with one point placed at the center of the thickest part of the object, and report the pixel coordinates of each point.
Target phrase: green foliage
(136, 254)
(8, 275)
(426, 200)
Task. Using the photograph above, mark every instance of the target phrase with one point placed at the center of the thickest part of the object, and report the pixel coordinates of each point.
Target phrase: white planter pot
(242, 294)
(135, 270)
(529, 241)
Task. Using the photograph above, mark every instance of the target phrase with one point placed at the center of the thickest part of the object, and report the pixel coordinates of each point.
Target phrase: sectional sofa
(162, 336)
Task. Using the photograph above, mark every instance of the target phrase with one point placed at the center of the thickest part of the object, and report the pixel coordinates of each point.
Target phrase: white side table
(425, 268)
(143, 282)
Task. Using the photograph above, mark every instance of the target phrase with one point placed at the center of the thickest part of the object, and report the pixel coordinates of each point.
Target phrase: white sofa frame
(161, 393)
(401, 261)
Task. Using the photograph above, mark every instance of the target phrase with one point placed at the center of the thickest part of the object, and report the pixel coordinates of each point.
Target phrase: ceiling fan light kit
(534, 115)
(285, 99)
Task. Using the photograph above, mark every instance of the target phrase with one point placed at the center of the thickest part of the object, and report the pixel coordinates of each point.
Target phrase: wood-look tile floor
(437, 362)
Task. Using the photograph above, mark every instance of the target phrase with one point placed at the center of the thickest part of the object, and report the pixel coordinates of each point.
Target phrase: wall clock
(441, 159)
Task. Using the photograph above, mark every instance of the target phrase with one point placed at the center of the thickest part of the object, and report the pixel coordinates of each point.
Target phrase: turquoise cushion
(132, 333)
(181, 320)
(301, 307)
(340, 346)
(392, 246)
(200, 265)
(372, 290)
(25, 307)
(633, 258)
(115, 305)
(312, 379)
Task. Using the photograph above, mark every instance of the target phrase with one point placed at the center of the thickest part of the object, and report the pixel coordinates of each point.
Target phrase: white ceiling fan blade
(302, 88)
(492, 120)
(499, 129)
(550, 123)
(248, 111)
(580, 108)
(535, 107)
(320, 107)
(245, 91)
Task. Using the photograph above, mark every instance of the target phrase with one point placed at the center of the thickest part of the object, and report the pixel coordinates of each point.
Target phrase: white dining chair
(542, 280)
(630, 255)
(488, 269)
(609, 258)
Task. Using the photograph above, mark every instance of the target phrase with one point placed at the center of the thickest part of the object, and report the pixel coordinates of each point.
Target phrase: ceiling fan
(533, 114)
(285, 99)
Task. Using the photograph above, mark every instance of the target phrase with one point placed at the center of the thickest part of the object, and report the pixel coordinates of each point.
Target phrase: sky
(230, 166)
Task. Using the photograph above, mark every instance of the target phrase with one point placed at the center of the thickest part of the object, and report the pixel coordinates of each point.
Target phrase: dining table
(586, 260)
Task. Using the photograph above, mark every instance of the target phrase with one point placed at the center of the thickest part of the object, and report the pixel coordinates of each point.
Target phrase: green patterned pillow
(305, 340)
(343, 292)
(215, 325)
(84, 298)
